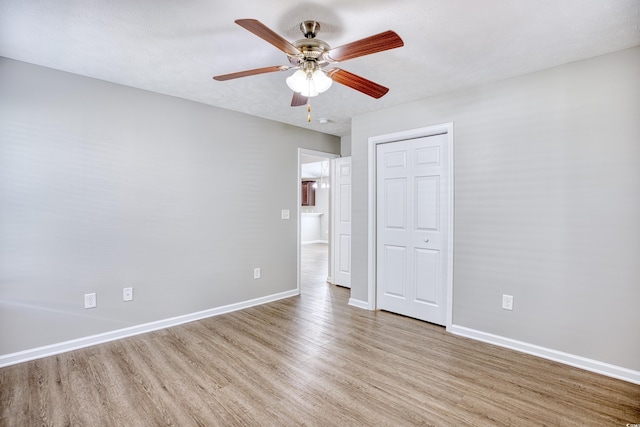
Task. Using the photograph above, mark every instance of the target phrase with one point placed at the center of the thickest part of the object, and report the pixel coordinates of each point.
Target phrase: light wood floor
(308, 360)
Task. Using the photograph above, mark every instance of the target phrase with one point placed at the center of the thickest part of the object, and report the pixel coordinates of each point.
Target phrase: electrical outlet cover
(127, 294)
(90, 300)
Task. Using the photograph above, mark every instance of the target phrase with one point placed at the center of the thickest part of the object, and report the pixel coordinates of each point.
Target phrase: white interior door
(342, 221)
(412, 227)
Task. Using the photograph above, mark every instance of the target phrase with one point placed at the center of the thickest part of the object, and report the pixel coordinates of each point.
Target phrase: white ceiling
(175, 47)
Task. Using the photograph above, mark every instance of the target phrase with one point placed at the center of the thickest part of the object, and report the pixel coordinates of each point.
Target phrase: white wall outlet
(286, 214)
(127, 294)
(256, 273)
(507, 302)
(90, 300)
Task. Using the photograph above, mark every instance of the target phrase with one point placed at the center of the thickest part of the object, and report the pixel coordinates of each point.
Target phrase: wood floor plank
(310, 360)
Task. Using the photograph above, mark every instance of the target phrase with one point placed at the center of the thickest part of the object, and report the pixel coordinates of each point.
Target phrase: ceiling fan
(310, 56)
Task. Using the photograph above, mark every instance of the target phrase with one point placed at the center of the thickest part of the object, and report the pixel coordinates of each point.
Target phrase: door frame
(327, 156)
(444, 128)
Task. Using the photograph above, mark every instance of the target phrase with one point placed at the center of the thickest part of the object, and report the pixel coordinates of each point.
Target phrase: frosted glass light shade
(321, 81)
(297, 81)
(309, 89)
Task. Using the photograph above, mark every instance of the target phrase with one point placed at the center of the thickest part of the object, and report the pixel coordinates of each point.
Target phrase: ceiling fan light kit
(310, 55)
(308, 83)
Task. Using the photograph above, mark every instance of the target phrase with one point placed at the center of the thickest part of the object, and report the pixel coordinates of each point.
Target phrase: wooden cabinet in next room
(308, 193)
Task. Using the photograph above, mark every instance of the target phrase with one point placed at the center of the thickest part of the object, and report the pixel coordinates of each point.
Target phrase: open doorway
(314, 219)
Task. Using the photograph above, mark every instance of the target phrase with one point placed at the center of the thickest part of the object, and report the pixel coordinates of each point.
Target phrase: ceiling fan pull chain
(309, 102)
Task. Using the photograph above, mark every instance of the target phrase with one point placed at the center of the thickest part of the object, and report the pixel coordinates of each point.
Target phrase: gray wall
(547, 204)
(345, 146)
(104, 186)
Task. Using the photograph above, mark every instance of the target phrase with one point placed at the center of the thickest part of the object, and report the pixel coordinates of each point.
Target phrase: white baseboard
(547, 353)
(358, 303)
(310, 242)
(50, 350)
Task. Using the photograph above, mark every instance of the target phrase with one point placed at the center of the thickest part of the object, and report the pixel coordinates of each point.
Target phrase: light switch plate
(507, 302)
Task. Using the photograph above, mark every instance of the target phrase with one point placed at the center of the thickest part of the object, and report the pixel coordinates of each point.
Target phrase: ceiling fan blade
(253, 72)
(367, 46)
(298, 100)
(265, 33)
(358, 83)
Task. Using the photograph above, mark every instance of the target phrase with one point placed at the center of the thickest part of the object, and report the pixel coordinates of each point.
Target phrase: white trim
(444, 128)
(332, 219)
(371, 238)
(50, 350)
(359, 303)
(310, 242)
(547, 353)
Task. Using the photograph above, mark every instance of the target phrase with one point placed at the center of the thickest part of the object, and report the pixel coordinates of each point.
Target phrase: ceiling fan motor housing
(311, 49)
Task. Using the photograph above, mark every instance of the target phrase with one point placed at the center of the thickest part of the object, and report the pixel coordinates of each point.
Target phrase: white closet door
(412, 230)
